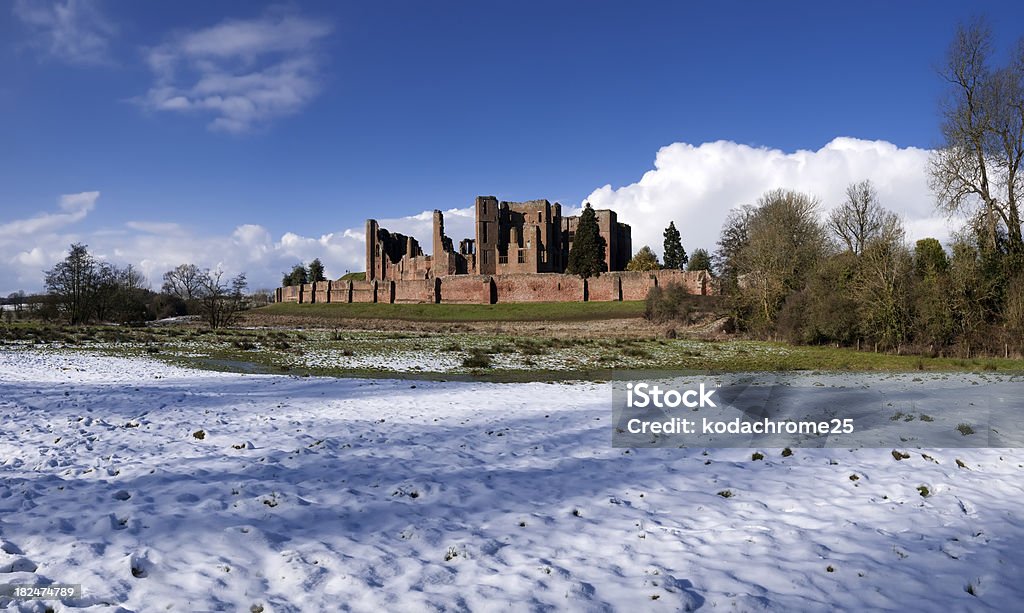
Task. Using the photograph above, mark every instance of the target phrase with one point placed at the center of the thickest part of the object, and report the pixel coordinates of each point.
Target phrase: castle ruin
(519, 254)
(511, 238)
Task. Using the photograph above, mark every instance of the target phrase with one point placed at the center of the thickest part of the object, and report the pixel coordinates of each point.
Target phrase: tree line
(674, 254)
(852, 278)
(82, 289)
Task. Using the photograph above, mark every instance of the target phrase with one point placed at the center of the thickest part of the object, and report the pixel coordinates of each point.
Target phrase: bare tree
(882, 288)
(72, 284)
(221, 301)
(861, 219)
(785, 241)
(977, 168)
(184, 281)
(734, 237)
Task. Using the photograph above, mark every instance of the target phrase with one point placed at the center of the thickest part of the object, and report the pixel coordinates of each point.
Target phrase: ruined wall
(422, 291)
(364, 291)
(321, 291)
(635, 285)
(467, 289)
(606, 288)
(538, 288)
(385, 292)
(695, 282)
(487, 289)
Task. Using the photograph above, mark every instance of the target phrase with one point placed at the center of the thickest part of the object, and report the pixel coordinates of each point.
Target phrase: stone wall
(487, 289)
(289, 294)
(321, 291)
(538, 288)
(467, 289)
(416, 292)
(364, 291)
(606, 288)
(696, 282)
(635, 285)
(385, 292)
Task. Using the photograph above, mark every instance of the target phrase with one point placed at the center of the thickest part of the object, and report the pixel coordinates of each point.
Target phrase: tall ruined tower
(372, 256)
(486, 235)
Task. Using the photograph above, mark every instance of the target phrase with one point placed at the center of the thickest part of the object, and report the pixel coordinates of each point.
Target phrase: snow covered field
(159, 488)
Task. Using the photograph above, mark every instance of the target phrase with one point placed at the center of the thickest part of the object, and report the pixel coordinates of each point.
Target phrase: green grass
(449, 354)
(353, 276)
(534, 311)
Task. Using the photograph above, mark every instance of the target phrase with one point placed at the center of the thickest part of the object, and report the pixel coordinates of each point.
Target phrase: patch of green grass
(533, 311)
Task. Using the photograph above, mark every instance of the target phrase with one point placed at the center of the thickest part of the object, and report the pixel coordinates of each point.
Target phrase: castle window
(502, 259)
(483, 256)
(522, 256)
(483, 232)
(538, 216)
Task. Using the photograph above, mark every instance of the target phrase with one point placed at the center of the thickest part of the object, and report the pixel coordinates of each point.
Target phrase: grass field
(537, 311)
(465, 354)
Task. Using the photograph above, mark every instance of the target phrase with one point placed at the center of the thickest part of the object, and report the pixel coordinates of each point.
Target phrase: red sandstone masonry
(289, 294)
(421, 291)
(466, 289)
(538, 288)
(484, 289)
(341, 291)
(364, 291)
(606, 288)
(635, 285)
(322, 291)
(695, 282)
(385, 292)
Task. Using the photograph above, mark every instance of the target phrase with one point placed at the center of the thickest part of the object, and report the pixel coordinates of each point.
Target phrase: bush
(669, 303)
(477, 359)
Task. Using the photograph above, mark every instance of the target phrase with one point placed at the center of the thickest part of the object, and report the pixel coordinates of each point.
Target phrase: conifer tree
(675, 255)
(316, 271)
(586, 258)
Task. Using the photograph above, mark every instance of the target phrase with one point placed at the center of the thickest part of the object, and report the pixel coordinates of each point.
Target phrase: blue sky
(243, 134)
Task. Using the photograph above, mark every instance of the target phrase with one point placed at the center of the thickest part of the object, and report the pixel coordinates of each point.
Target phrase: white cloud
(696, 186)
(72, 31)
(693, 185)
(74, 206)
(30, 246)
(243, 73)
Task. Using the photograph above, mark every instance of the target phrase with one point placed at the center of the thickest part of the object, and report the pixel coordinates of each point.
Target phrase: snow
(312, 494)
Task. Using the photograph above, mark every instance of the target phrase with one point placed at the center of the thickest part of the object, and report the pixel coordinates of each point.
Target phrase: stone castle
(511, 238)
(519, 254)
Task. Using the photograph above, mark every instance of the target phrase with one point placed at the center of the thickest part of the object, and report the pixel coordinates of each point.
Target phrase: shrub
(669, 303)
(477, 359)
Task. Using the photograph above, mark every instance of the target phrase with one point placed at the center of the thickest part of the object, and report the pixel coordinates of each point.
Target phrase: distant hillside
(354, 276)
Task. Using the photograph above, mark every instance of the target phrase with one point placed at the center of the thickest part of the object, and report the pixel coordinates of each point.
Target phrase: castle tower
(486, 235)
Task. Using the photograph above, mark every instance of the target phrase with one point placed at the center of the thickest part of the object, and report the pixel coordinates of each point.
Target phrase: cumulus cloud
(72, 31)
(693, 185)
(244, 73)
(697, 185)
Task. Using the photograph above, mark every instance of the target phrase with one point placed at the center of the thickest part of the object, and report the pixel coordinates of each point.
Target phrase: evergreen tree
(586, 258)
(297, 276)
(675, 255)
(645, 259)
(701, 260)
(316, 271)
